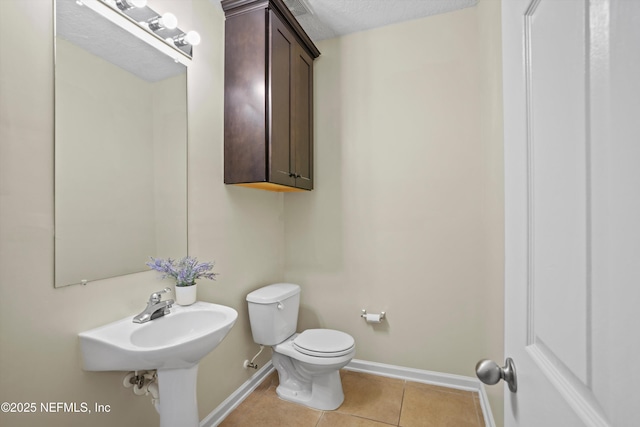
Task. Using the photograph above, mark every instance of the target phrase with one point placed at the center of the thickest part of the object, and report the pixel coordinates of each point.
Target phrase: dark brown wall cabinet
(268, 97)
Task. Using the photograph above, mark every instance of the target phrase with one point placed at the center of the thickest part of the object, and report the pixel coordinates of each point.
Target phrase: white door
(572, 173)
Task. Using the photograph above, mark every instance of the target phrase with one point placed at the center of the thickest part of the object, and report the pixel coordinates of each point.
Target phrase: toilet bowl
(312, 379)
(307, 363)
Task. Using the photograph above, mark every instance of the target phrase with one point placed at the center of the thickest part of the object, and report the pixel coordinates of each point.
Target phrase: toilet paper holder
(371, 317)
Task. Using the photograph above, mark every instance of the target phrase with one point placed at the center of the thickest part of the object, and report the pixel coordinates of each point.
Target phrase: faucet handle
(157, 296)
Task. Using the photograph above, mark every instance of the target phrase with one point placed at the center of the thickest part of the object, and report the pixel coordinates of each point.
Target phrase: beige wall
(406, 216)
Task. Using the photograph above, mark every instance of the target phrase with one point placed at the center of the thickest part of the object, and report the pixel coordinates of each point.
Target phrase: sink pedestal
(178, 401)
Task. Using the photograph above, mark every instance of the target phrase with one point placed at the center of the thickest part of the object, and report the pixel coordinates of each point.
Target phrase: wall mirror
(120, 149)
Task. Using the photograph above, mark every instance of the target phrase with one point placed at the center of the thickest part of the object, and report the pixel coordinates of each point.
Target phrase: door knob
(489, 372)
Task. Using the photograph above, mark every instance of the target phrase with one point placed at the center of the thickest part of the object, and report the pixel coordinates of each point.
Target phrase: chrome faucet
(155, 307)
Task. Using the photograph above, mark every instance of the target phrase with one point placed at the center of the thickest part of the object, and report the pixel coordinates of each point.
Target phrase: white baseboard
(416, 375)
(230, 403)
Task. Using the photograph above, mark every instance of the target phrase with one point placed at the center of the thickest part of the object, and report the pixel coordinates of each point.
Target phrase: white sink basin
(176, 341)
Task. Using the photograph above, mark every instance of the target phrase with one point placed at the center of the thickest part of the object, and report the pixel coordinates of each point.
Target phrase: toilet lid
(324, 343)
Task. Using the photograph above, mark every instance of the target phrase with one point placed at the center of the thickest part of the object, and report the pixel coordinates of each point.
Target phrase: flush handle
(489, 372)
(280, 306)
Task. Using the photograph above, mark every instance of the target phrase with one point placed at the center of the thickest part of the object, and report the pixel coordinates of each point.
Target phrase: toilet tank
(273, 312)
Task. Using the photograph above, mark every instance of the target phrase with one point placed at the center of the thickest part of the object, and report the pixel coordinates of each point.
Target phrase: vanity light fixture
(130, 4)
(190, 38)
(167, 20)
(173, 36)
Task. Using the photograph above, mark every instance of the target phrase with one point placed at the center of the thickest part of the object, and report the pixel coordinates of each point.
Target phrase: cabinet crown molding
(235, 7)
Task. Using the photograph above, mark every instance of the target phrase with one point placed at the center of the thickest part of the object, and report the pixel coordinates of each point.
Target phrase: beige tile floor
(370, 401)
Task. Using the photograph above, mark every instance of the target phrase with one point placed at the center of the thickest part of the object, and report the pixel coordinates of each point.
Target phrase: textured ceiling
(95, 34)
(333, 18)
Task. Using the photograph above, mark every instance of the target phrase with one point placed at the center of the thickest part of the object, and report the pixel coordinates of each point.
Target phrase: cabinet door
(280, 96)
(245, 109)
(302, 120)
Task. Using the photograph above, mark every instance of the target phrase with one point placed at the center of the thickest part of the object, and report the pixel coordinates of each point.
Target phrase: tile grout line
(320, 418)
(404, 388)
(360, 417)
(475, 406)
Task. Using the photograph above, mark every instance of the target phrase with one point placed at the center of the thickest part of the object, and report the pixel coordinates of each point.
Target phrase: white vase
(186, 295)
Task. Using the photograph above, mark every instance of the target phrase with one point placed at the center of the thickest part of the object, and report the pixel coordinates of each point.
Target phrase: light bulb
(192, 38)
(167, 20)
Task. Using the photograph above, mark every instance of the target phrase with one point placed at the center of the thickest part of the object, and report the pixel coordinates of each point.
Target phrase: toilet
(308, 363)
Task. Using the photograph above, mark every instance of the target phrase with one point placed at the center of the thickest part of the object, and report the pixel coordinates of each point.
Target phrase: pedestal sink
(173, 344)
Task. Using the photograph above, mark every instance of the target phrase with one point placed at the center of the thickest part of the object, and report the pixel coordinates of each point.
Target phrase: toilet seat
(324, 343)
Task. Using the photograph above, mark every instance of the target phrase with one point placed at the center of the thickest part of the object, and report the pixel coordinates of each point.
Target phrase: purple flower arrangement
(185, 272)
